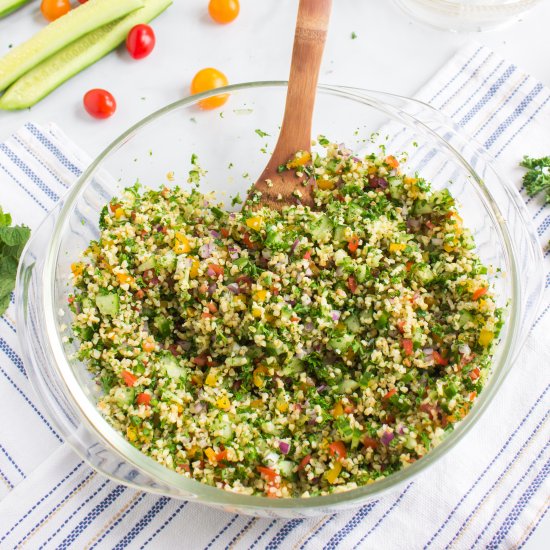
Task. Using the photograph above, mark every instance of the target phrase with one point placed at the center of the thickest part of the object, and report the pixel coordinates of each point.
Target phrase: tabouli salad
(293, 353)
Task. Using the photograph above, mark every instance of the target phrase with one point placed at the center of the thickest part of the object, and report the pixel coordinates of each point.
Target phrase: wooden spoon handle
(307, 53)
(280, 189)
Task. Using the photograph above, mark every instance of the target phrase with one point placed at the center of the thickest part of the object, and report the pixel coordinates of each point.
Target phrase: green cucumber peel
(50, 74)
(60, 33)
(7, 6)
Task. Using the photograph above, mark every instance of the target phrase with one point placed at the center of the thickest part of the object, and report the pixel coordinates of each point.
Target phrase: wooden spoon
(280, 189)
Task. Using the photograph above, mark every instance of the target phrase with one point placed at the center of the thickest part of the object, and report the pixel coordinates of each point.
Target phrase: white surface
(390, 53)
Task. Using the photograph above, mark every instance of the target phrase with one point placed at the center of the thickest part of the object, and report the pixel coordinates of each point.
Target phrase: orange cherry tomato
(53, 9)
(209, 79)
(407, 344)
(223, 11)
(479, 293)
(268, 473)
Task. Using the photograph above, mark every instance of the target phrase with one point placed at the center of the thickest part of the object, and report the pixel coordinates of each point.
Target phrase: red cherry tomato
(208, 79)
(99, 103)
(140, 41)
(223, 11)
(53, 9)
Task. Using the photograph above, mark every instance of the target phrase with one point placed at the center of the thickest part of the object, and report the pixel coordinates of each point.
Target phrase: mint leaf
(12, 242)
(5, 219)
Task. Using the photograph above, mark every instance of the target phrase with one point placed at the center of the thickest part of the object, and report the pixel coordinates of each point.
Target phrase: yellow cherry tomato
(53, 9)
(223, 11)
(209, 79)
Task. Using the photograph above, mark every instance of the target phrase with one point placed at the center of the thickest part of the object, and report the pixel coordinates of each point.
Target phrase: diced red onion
(308, 326)
(211, 288)
(205, 251)
(215, 234)
(233, 287)
(377, 182)
(308, 272)
(210, 272)
(294, 245)
(234, 252)
(284, 447)
(400, 429)
(387, 438)
(335, 315)
(428, 351)
(322, 387)
(357, 159)
(413, 224)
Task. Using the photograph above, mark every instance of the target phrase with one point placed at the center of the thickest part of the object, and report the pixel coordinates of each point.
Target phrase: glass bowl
(157, 151)
(467, 15)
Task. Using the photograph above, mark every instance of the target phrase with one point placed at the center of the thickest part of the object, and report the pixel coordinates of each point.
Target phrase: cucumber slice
(60, 33)
(48, 75)
(7, 6)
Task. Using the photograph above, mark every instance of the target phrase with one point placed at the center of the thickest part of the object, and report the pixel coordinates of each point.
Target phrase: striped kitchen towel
(491, 490)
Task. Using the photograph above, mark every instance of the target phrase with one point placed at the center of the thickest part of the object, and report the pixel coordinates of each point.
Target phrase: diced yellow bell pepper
(131, 433)
(77, 269)
(119, 212)
(193, 451)
(258, 376)
(301, 159)
(182, 245)
(124, 278)
(211, 379)
(486, 337)
(338, 410)
(255, 222)
(256, 312)
(223, 403)
(397, 247)
(211, 454)
(282, 406)
(332, 475)
(257, 404)
(447, 247)
(194, 271)
(326, 185)
(260, 295)
(240, 298)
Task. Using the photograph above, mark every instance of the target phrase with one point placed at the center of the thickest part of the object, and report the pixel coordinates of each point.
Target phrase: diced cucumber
(108, 304)
(340, 234)
(423, 274)
(465, 318)
(341, 343)
(286, 468)
(321, 230)
(163, 326)
(170, 365)
(51, 73)
(60, 33)
(362, 272)
(348, 386)
(87, 303)
(147, 264)
(421, 206)
(396, 188)
(347, 433)
(169, 259)
(124, 396)
(382, 321)
(353, 324)
(341, 257)
(7, 6)
(294, 366)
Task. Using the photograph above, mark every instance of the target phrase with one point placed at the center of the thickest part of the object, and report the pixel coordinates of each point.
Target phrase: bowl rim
(206, 494)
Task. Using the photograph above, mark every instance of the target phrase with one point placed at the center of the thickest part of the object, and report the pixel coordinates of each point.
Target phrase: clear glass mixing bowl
(467, 15)
(158, 151)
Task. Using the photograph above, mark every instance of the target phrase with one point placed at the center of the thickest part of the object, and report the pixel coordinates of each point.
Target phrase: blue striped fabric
(490, 491)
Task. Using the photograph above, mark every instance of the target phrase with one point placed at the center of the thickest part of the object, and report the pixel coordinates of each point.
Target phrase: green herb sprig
(537, 178)
(12, 242)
